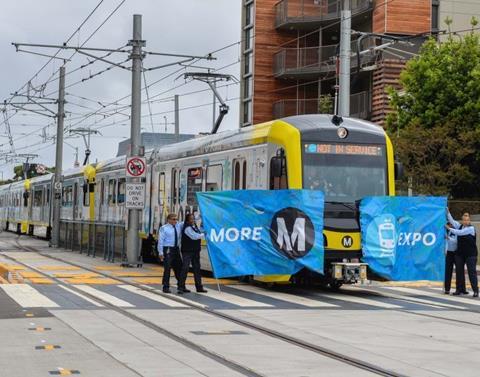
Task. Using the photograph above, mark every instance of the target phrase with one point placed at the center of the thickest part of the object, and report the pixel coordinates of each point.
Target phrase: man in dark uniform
(450, 260)
(191, 246)
(169, 249)
(466, 253)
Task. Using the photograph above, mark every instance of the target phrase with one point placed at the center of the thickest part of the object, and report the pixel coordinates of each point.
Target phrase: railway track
(346, 359)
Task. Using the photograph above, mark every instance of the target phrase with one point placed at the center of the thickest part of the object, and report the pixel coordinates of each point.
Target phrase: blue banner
(263, 232)
(403, 238)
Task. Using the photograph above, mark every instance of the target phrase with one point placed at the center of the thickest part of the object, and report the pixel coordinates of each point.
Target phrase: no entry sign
(135, 167)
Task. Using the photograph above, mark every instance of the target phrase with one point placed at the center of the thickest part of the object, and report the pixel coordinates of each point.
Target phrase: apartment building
(289, 50)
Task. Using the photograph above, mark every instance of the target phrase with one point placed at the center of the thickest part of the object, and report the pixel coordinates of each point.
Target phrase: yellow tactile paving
(40, 281)
(85, 275)
(92, 281)
(31, 274)
(108, 268)
(420, 283)
(12, 267)
(148, 280)
(136, 274)
(59, 268)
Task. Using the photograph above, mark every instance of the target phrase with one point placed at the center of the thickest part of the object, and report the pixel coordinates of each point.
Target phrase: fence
(94, 239)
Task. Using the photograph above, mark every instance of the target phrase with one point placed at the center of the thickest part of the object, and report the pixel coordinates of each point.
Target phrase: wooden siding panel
(267, 89)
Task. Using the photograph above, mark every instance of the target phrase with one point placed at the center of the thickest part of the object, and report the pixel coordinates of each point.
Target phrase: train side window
(102, 191)
(239, 174)
(236, 175)
(111, 192)
(161, 189)
(67, 196)
(26, 194)
(194, 184)
(176, 186)
(121, 191)
(37, 198)
(214, 178)
(244, 175)
(278, 173)
(86, 195)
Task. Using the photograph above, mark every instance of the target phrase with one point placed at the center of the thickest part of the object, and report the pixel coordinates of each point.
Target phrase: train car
(347, 159)
(39, 216)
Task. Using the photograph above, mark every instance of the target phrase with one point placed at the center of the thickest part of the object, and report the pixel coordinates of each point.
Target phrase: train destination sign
(345, 149)
(135, 195)
(135, 167)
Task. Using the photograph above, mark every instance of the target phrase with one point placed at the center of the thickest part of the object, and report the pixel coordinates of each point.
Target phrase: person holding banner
(169, 250)
(191, 246)
(451, 248)
(466, 253)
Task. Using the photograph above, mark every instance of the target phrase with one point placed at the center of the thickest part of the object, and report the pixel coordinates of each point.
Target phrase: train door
(239, 181)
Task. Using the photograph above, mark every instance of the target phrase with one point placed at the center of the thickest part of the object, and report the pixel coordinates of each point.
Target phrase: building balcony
(312, 62)
(359, 106)
(311, 14)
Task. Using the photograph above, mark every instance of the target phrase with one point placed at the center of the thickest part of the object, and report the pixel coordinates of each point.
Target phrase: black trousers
(193, 258)
(171, 259)
(471, 262)
(449, 263)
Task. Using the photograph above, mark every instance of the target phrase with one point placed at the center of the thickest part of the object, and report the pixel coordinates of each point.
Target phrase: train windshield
(345, 173)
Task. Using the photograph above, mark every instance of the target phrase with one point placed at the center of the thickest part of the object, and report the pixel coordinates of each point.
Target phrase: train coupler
(349, 273)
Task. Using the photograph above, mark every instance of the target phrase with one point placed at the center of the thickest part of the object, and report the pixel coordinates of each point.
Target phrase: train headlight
(342, 132)
(363, 272)
(338, 272)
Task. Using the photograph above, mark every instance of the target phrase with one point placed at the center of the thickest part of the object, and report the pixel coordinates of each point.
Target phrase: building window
(249, 14)
(435, 14)
(248, 38)
(247, 112)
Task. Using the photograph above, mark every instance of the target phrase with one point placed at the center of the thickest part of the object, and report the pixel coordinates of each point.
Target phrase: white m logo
(298, 234)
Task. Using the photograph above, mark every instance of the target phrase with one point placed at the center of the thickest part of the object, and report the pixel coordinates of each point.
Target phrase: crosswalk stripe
(112, 300)
(83, 297)
(27, 296)
(418, 292)
(359, 300)
(153, 296)
(233, 299)
(299, 300)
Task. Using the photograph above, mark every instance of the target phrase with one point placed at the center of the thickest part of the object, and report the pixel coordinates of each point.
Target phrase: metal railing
(94, 238)
(288, 12)
(316, 60)
(359, 106)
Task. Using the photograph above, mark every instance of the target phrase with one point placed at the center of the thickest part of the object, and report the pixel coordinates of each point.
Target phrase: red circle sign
(135, 167)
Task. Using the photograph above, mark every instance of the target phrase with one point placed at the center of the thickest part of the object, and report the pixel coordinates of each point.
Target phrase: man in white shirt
(169, 236)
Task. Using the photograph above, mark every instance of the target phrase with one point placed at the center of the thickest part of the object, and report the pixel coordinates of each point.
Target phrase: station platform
(65, 313)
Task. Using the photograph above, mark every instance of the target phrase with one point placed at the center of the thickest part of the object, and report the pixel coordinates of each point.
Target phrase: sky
(98, 98)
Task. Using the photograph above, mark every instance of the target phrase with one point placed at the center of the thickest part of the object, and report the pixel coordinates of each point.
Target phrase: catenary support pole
(133, 238)
(57, 188)
(345, 51)
(177, 120)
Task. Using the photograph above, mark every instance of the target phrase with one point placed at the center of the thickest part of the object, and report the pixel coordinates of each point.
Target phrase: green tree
(435, 122)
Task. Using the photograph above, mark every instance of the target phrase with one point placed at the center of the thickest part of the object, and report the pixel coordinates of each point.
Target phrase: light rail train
(347, 159)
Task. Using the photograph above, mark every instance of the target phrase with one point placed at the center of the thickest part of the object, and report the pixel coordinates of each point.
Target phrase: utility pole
(345, 51)
(57, 185)
(133, 238)
(177, 120)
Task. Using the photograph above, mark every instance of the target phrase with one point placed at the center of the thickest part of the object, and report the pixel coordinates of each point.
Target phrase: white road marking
(152, 296)
(299, 300)
(112, 300)
(359, 300)
(83, 297)
(457, 299)
(233, 299)
(27, 296)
